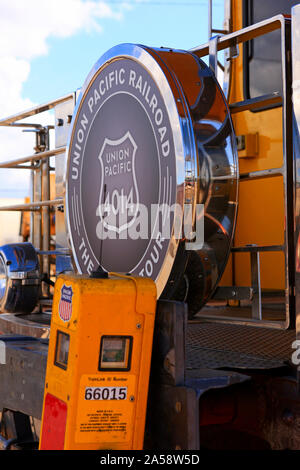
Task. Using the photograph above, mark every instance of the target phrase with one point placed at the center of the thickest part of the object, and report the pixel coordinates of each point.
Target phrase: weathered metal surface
(172, 420)
(168, 355)
(22, 377)
(36, 325)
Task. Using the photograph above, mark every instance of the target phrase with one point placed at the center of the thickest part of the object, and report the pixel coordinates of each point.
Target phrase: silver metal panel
(63, 116)
(255, 284)
(228, 55)
(233, 293)
(213, 54)
(63, 261)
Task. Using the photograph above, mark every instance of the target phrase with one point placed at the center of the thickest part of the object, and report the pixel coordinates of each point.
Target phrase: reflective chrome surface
(63, 112)
(214, 183)
(206, 165)
(19, 278)
(227, 53)
(223, 68)
(180, 122)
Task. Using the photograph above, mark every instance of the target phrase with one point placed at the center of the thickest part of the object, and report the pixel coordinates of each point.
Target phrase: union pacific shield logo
(122, 166)
(119, 194)
(65, 303)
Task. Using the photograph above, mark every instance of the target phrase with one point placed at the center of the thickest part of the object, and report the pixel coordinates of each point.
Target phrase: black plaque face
(121, 173)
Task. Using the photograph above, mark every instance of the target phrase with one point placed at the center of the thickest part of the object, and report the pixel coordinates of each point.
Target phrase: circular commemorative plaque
(133, 163)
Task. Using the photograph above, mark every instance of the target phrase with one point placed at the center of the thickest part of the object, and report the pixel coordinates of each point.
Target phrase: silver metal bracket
(213, 54)
(256, 286)
(234, 51)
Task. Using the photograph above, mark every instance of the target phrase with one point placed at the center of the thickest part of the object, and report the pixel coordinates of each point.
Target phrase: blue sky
(48, 47)
(157, 23)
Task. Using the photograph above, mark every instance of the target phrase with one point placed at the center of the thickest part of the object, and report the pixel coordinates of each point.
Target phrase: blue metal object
(19, 278)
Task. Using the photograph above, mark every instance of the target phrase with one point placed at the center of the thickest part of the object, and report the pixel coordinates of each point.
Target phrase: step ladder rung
(260, 174)
(256, 248)
(273, 99)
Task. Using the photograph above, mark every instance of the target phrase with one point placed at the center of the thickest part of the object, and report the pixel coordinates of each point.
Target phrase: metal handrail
(256, 103)
(38, 164)
(240, 36)
(32, 206)
(278, 22)
(8, 121)
(32, 158)
(210, 26)
(261, 174)
(256, 248)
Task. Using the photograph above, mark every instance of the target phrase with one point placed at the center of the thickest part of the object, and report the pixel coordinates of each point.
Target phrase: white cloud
(25, 27)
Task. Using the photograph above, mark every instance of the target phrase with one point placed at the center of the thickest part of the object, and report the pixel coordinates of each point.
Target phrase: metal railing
(38, 163)
(253, 292)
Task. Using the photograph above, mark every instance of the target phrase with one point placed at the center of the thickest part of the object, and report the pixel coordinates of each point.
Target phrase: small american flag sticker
(65, 303)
